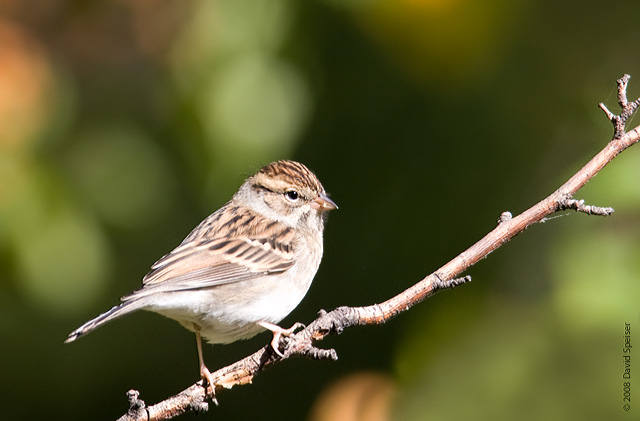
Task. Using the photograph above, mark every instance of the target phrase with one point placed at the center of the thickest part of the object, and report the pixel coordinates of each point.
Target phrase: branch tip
(137, 408)
(628, 108)
(611, 116)
(451, 283)
(579, 206)
(135, 403)
(316, 353)
(622, 90)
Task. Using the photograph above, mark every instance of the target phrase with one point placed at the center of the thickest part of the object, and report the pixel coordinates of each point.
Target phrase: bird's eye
(292, 195)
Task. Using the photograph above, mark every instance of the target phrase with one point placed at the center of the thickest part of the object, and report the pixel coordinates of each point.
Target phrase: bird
(244, 268)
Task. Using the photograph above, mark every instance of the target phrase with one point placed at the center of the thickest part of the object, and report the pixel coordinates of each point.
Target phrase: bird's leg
(278, 332)
(205, 374)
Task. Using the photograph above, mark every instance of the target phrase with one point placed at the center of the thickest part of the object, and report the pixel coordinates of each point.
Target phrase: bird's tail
(116, 312)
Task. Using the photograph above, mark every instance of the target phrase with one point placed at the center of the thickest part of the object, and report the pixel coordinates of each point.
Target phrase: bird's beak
(322, 203)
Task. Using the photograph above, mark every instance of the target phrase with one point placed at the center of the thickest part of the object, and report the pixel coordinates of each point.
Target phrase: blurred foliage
(123, 124)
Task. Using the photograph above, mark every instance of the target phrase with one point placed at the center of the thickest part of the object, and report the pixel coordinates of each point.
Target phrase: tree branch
(334, 322)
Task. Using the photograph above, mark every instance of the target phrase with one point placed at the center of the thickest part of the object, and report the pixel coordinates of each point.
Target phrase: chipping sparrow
(244, 268)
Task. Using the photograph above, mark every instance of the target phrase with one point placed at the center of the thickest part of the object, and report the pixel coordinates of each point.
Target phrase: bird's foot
(279, 332)
(207, 383)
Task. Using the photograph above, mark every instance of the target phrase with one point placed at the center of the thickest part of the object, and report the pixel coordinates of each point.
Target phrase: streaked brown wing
(207, 263)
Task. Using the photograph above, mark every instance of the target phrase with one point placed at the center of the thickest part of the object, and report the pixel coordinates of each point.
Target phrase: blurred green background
(123, 124)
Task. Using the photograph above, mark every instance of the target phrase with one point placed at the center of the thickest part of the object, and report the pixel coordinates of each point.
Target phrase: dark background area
(123, 124)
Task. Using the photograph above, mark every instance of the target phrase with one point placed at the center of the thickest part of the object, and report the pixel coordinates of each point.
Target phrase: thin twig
(336, 321)
(628, 108)
(579, 206)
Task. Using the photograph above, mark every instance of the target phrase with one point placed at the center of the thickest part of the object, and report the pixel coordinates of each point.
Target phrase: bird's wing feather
(210, 262)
